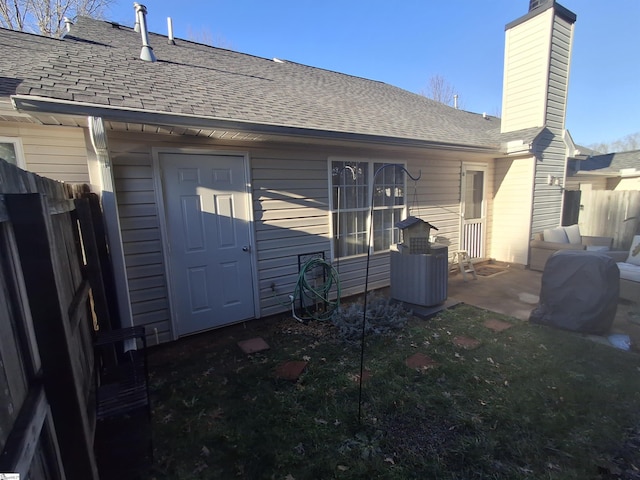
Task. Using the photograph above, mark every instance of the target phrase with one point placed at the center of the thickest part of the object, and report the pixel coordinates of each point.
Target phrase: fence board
(611, 213)
(53, 290)
(50, 294)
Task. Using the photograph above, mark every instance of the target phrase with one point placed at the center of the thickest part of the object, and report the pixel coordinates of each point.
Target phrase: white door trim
(164, 233)
(484, 167)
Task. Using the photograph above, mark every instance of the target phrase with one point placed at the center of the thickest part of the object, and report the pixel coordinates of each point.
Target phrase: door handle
(246, 248)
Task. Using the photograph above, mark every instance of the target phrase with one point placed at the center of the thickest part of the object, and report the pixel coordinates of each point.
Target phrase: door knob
(245, 248)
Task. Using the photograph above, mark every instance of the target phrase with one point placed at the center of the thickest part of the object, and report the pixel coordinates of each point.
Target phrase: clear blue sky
(406, 42)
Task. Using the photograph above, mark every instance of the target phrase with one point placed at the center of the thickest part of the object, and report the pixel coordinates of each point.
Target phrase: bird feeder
(415, 235)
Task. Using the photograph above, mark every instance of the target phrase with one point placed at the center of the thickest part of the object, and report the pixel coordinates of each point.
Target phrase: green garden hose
(311, 296)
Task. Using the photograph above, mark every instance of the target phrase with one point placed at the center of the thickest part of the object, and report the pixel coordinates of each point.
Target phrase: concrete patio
(515, 291)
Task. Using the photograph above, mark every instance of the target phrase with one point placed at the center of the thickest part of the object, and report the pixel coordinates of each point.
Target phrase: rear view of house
(219, 170)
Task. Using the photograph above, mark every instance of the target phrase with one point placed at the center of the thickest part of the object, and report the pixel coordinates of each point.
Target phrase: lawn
(524, 402)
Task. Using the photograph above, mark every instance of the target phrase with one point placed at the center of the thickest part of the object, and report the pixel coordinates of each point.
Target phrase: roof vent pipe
(136, 27)
(170, 40)
(455, 102)
(146, 53)
(67, 23)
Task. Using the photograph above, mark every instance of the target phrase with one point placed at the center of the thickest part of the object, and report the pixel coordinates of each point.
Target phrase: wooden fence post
(93, 270)
(39, 253)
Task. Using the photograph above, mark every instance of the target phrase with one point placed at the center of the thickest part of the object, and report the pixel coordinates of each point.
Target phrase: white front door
(208, 230)
(473, 210)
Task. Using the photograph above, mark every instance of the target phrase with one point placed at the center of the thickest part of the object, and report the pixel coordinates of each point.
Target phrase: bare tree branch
(624, 144)
(440, 90)
(12, 14)
(205, 37)
(47, 16)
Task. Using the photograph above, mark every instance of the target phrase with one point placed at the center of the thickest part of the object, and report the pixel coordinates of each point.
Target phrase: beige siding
(512, 203)
(591, 182)
(438, 196)
(526, 68)
(291, 204)
(51, 151)
(290, 195)
(537, 58)
(140, 225)
(630, 183)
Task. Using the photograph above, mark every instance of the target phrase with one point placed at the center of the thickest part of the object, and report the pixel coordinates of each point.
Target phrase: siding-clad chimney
(536, 67)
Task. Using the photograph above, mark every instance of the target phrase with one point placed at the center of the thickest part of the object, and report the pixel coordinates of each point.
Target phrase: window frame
(17, 148)
(373, 165)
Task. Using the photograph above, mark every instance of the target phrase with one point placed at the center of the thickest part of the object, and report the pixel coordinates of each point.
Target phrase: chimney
(146, 53)
(67, 23)
(170, 39)
(537, 49)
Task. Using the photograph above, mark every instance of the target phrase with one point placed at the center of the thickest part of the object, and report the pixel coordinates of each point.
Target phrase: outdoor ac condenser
(420, 279)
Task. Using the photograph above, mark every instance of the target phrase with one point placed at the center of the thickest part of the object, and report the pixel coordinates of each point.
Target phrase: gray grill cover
(579, 292)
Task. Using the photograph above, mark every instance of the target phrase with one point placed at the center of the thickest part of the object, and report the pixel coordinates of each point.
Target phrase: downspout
(112, 219)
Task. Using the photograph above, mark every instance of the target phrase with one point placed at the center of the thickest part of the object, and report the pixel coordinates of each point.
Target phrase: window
(352, 188)
(11, 151)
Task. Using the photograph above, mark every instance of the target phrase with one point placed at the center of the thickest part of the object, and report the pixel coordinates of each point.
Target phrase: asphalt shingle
(97, 63)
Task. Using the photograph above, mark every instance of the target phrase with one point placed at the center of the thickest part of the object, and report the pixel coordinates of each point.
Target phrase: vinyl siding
(290, 208)
(631, 183)
(142, 245)
(55, 152)
(550, 147)
(526, 68)
(537, 58)
(512, 203)
(291, 216)
(591, 182)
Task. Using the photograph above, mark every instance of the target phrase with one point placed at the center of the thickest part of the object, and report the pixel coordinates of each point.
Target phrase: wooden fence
(611, 213)
(52, 300)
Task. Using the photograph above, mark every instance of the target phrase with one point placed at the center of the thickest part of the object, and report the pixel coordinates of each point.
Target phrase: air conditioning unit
(419, 279)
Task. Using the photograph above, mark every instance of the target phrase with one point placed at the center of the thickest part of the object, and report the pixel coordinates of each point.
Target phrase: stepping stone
(420, 361)
(467, 343)
(497, 325)
(253, 345)
(290, 370)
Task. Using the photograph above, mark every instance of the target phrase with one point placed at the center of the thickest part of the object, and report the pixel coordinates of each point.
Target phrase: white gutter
(31, 103)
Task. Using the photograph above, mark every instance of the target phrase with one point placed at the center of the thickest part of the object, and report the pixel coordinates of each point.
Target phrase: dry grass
(528, 402)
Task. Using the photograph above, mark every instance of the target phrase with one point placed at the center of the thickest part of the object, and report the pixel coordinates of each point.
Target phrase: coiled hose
(311, 296)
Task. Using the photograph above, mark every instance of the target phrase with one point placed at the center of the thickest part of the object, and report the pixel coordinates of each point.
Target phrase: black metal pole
(366, 278)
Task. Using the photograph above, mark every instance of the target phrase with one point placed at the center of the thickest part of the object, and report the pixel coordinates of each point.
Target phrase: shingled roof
(609, 163)
(97, 64)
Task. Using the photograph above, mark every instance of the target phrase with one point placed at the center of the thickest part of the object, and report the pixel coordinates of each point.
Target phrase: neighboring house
(604, 171)
(218, 169)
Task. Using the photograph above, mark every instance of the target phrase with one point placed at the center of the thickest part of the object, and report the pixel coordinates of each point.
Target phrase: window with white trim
(11, 151)
(352, 189)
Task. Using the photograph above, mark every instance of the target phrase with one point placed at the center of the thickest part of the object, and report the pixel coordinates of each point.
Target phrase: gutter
(35, 104)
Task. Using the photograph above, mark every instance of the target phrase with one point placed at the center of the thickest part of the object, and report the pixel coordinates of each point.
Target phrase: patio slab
(516, 293)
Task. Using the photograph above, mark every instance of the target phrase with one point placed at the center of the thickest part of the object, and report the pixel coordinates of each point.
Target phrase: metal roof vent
(67, 23)
(146, 53)
(170, 39)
